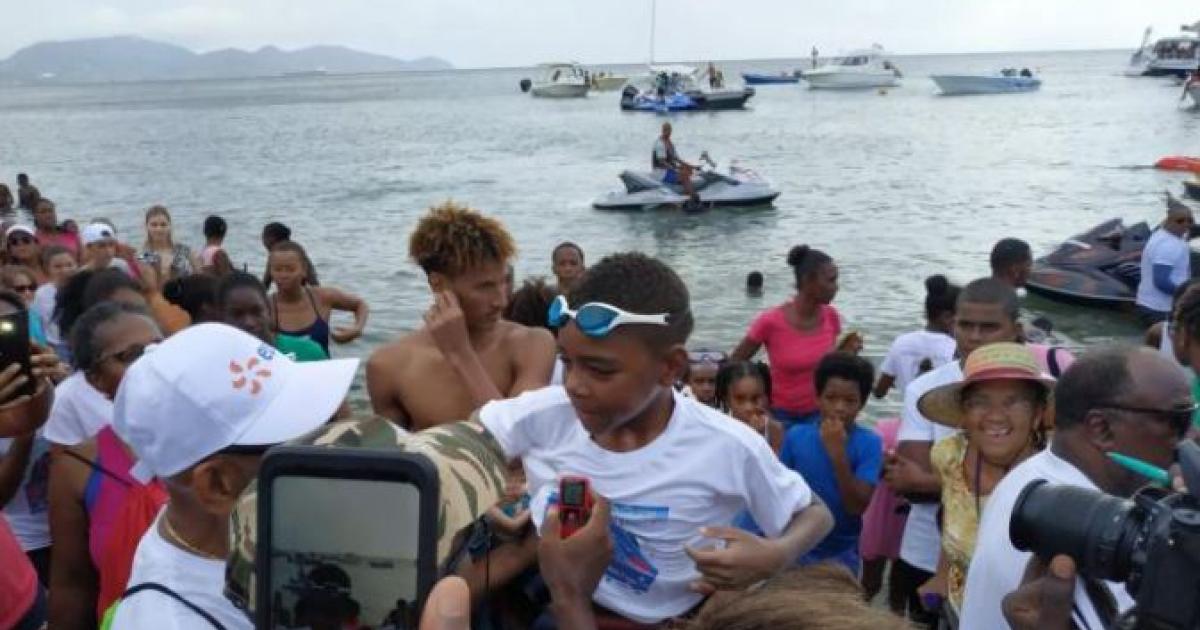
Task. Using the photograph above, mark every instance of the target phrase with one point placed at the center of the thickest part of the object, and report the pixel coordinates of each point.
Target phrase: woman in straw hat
(999, 407)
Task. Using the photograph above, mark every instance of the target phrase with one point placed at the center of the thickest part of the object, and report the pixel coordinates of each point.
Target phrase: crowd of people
(729, 492)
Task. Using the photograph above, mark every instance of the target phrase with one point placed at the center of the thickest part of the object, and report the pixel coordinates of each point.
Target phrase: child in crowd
(566, 262)
(700, 380)
(214, 240)
(60, 265)
(674, 471)
(882, 529)
(743, 390)
(838, 458)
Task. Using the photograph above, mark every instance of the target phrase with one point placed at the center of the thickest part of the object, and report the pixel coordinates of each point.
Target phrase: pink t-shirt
(69, 240)
(18, 580)
(794, 355)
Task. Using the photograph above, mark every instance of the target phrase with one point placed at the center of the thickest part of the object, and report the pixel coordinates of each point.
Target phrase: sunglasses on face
(24, 288)
(597, 319)
(20, 240)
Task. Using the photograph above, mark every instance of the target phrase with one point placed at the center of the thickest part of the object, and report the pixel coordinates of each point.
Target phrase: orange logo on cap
(249, 375)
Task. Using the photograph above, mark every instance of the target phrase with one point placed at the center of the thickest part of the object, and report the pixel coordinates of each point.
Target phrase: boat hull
(608, 84)
(835, 80)
(958, 84)
(768, 79)
(559, 90)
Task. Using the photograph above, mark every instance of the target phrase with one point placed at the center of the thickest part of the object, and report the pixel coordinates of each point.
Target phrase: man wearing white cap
(100, 248)
(198, 411)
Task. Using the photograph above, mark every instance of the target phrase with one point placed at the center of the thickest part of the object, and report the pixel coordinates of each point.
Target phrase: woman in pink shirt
(49, 232)
(797, 334)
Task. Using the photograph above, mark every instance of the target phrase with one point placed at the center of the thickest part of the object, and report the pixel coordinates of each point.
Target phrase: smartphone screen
(572, 494)
(344, 552)
(15, 348)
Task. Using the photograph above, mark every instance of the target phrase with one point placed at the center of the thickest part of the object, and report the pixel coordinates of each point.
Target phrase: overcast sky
(487, 33)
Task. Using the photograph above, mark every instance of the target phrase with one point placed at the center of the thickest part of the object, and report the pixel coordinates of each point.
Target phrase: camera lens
(1096, 529)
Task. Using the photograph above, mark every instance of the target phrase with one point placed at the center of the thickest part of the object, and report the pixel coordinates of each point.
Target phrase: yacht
(1176, 56)
(858, 69)
(561, 80)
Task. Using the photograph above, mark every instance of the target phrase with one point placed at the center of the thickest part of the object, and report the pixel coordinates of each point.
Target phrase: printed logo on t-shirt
(630, 568)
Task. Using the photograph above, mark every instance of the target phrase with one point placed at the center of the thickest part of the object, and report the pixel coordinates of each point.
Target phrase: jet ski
(1101, 267)
(643, 190)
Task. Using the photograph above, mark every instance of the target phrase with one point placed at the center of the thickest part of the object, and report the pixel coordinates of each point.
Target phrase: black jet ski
(1101, 267)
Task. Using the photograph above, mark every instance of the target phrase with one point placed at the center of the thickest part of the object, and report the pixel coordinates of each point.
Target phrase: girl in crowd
(49, 232)
(998, 406)
(242, 303)
(21, 247)
(60, 265)
(21, 280)
(797, 334)
(91, 490)
(700, 380)
(302, 310)
(169, 259)
(567, 263)
(932, 346)
(743, 390)
(1184, 336)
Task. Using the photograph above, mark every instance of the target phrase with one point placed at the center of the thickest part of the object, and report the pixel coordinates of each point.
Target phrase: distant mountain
(138, 59)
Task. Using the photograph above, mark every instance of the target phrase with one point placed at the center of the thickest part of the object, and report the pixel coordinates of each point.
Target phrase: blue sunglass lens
(595, 320)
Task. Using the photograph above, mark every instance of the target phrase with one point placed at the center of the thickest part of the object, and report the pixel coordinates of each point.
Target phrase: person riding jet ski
(666, 165)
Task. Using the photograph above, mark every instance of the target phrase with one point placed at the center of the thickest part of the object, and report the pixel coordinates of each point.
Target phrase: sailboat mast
(653, 19)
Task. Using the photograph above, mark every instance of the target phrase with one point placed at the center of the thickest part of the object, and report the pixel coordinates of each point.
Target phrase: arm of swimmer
(381, 389)
(883, 385)
(745, 350)
(343, 301)
(534, 361)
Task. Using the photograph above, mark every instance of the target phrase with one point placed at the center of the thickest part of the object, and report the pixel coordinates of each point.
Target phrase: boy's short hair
(846, 366)
(637, 283)
(991, 291)
(214, 227)
(1009, 252)
(452, 239)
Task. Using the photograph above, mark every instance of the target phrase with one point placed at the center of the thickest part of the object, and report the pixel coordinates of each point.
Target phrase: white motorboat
(561, 80)
(859, 69)
(1177, 56)
(1006, 82)
(607, 82)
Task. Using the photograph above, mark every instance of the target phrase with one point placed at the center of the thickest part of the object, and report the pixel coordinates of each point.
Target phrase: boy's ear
(675, 364)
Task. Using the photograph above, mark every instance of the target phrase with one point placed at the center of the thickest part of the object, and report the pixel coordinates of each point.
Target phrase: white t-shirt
(903, 360)
(997, 567)
(1163, 248)
(79, 411)
(28, 511)
(922, 542)
(200, 581)
(703, 470)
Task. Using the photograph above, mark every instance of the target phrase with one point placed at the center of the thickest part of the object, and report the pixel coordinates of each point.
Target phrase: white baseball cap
(96, 232)
(19, 228)
(212, 386)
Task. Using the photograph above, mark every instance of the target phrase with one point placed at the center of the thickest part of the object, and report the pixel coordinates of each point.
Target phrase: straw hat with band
(994, 362)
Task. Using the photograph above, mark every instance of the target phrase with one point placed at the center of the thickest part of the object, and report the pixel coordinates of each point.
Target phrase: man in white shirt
(1166, 264)
(986, 313)
(198, 411)
(666, 163)
(675, 472)
(1123, 400)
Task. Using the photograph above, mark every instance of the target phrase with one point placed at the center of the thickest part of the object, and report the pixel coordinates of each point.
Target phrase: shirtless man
(465, 354)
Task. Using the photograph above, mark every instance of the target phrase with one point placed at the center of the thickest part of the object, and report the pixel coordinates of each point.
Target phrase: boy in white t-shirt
(675, 472)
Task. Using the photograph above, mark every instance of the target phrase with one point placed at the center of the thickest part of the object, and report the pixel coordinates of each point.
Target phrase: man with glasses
(1166, 264)
(1128, 401)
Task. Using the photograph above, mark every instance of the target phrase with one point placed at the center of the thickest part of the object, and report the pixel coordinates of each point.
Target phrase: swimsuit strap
(313, 301)
(153, 586)
(96, 466)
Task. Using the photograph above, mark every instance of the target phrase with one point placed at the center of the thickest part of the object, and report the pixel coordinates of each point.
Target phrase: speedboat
(858, 69)
(755, 78)
(607, 82)
(1101, 267)
(676, 88)
(643, 190)
(559, 80)
(1176, 56)
(1007, 81)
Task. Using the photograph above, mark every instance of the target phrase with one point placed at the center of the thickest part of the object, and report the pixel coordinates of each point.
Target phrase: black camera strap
(1102, 601)
(154, 586)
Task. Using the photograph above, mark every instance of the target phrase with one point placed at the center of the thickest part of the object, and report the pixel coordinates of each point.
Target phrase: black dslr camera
(1151, 543)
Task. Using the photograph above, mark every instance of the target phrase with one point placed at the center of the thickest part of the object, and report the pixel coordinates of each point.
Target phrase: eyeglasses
(707, 356)
(597, 319)
(1178, 418)
(128, 355)
(1012, 406)
(20, 240)
(24, 288)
